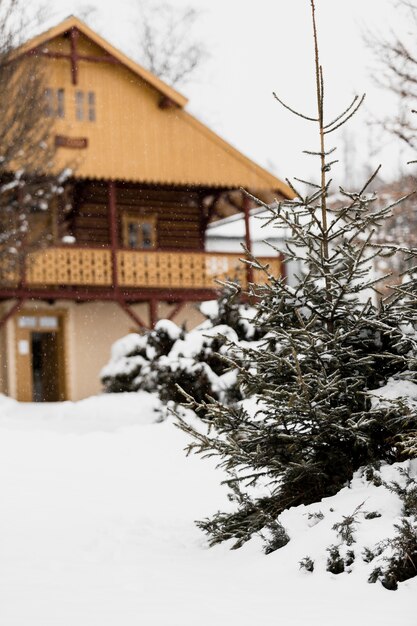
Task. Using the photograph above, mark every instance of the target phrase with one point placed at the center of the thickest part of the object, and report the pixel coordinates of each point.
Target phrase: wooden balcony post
(113, 231)
(248, 242)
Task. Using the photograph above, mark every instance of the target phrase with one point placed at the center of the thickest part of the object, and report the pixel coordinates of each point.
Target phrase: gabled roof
(168, 146)
(73, 22)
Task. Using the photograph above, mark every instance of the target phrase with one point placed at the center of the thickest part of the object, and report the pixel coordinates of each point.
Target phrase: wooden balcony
(61, 267)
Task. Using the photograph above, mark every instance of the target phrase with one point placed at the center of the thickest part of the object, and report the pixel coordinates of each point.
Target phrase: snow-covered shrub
(399, 553)
(171, 361)
(380, 544)
(228, 311)
(128, 359)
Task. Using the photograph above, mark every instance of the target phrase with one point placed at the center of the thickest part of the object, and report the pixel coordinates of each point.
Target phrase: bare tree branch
(167, 45)
(396, 56)
(27, 180)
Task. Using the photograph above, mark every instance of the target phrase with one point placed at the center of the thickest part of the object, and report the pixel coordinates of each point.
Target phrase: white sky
(265, 45)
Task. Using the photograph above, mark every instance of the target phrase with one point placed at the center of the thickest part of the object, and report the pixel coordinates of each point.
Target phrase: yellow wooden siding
(48, 38)
(134, 139)
(138, 269)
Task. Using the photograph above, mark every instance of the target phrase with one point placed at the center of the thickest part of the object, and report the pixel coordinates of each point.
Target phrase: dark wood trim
(74, 57)
(211, 209)
(75, 143)
(153, 312)
(127, 295)
(114, 237)
(282, 266)
(97, 59)
(80, 57)
(248, 242)
(74, 34)
(134, 316)
(177, 308)
(167, 103)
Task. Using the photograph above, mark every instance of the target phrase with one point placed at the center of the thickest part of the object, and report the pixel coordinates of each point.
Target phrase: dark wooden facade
(177, 214)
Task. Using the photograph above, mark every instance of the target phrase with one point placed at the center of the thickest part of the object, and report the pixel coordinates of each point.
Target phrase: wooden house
(128, 235)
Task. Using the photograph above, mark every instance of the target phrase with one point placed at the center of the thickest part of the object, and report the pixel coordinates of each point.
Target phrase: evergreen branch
(327, 166)
(306, 182)
(290, 184)
(351, 114)
(312, 153)
(254, 198)
(370, 179)
(355, 99)
(306, 117)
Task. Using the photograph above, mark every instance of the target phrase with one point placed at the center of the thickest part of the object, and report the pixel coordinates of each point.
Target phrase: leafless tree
(396, 71)
(167, 45)
(27, 180)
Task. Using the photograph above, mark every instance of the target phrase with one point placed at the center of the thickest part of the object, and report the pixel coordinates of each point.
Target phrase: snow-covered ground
(96, 528)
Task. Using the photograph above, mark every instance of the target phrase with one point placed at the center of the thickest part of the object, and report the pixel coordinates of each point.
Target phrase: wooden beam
(74, 34)
(113, 230)
(80, 57)
(166, 103)
(153, 311)
(134, 316)
(211, 210)
(177, 308)
(248, 242)
(96, 294)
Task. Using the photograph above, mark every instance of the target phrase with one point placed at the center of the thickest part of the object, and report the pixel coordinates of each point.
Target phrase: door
(45, 367)
(40, 359)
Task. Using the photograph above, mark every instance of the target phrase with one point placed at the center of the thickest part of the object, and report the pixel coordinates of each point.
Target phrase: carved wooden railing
(71, 266)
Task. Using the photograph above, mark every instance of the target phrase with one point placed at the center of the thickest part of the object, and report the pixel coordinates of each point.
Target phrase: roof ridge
(74, 22)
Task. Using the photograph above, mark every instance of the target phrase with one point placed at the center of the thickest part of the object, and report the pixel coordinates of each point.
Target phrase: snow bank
(104, 413)
(97, 527)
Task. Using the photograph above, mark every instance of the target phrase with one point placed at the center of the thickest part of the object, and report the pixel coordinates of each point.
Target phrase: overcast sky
(261, 46)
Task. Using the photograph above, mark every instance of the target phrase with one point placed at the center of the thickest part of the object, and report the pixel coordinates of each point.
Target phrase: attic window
(54, 102)
(79, 105)
(85, 106)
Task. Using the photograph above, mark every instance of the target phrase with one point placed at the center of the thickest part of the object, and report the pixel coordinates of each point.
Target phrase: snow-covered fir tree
(330, 340)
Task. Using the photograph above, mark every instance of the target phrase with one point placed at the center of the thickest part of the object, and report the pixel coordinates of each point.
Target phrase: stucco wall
(90, 330)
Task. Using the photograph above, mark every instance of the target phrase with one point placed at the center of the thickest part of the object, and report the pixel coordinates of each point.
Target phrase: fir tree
(330, 340)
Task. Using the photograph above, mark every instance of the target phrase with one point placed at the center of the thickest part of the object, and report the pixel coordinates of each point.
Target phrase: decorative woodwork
(71, 266)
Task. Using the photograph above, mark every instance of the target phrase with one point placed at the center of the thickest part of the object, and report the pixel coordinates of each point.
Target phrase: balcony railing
(92, 267)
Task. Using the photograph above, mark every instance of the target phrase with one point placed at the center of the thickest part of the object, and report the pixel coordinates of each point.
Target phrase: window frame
(134, 218)
(91, 106)
(60, 103)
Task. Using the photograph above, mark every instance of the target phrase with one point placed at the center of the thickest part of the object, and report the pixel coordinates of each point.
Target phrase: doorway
(40, 359)
(45, 367)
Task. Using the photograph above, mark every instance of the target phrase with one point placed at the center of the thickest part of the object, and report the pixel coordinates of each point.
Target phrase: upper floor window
(54, 102)
(85, 106)
(139, 232)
